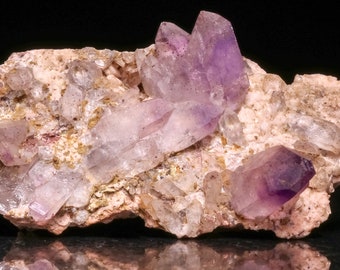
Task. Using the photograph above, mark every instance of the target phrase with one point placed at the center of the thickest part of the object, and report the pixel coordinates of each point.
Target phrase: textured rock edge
(294, 220)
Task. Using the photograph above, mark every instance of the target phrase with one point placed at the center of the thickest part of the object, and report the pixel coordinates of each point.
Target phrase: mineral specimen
(165, 133)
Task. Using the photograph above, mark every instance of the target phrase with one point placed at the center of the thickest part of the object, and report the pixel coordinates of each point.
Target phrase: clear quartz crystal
(232, 128)
(322, 133)
(71, 102)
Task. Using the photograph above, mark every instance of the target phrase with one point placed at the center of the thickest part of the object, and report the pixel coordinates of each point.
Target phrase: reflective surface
(218, 251)
(127, 244)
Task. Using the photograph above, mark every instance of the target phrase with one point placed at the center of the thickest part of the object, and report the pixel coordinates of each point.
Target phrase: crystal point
(171, 40)
(268, 180)
(206, 66)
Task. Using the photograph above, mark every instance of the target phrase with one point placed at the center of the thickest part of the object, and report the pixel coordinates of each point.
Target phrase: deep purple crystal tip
(268, 180)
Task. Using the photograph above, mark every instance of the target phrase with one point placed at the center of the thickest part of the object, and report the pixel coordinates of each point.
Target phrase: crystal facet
(268, 180)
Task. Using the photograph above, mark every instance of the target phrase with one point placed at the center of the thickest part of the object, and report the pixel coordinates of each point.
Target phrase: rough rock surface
(57, 109)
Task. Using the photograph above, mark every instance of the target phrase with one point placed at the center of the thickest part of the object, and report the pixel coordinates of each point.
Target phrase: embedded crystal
(20, 78)
(268, 180)
(12, 136)
(51, 189)
(324, 134)
(83, 73)
(123, 133)
(71, 103)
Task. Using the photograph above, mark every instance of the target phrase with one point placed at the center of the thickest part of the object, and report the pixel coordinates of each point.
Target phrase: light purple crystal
(12, 135)
(206, 66)
(125, 136)
(268, 180)
(52, 188)
(188, 123)
(136, 139)
(171, 40)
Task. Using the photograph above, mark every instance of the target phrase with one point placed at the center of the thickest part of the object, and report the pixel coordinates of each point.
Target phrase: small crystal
(12, 135)
(71, 103)
(171, 40)
(231, 128)
(322, 133)
(20, 79)
(49, 197)
(83, 73)
(268, 180)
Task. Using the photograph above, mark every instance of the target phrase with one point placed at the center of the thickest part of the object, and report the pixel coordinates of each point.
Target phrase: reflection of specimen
(161, 254)
(186, 134)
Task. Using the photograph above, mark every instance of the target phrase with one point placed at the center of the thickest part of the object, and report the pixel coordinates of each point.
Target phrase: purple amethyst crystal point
(205, 67)
(268, 180)
(171, 40)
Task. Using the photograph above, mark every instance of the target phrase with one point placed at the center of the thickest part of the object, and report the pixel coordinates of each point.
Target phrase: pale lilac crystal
(188, 123)
(50, 192)
(13, 191)
(12, 135)
(171, 40)
(127, 125)
(20, 78)
(268, 180)
(135, 139)
(206, 66)
(322, 133)
(70, 104)
(81, 76)
(120, 130)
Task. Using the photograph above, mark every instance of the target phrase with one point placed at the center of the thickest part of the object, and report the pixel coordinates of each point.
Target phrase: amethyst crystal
(268, 180)
(191, 79)
(12, 136)
(206, 66)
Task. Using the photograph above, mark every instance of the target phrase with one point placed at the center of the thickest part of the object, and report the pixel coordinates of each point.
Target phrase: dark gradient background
(284, 38)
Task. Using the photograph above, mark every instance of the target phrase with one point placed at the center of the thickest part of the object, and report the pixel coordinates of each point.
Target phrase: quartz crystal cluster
(186, 134)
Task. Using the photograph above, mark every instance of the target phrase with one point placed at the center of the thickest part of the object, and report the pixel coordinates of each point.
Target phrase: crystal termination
(268, 180)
